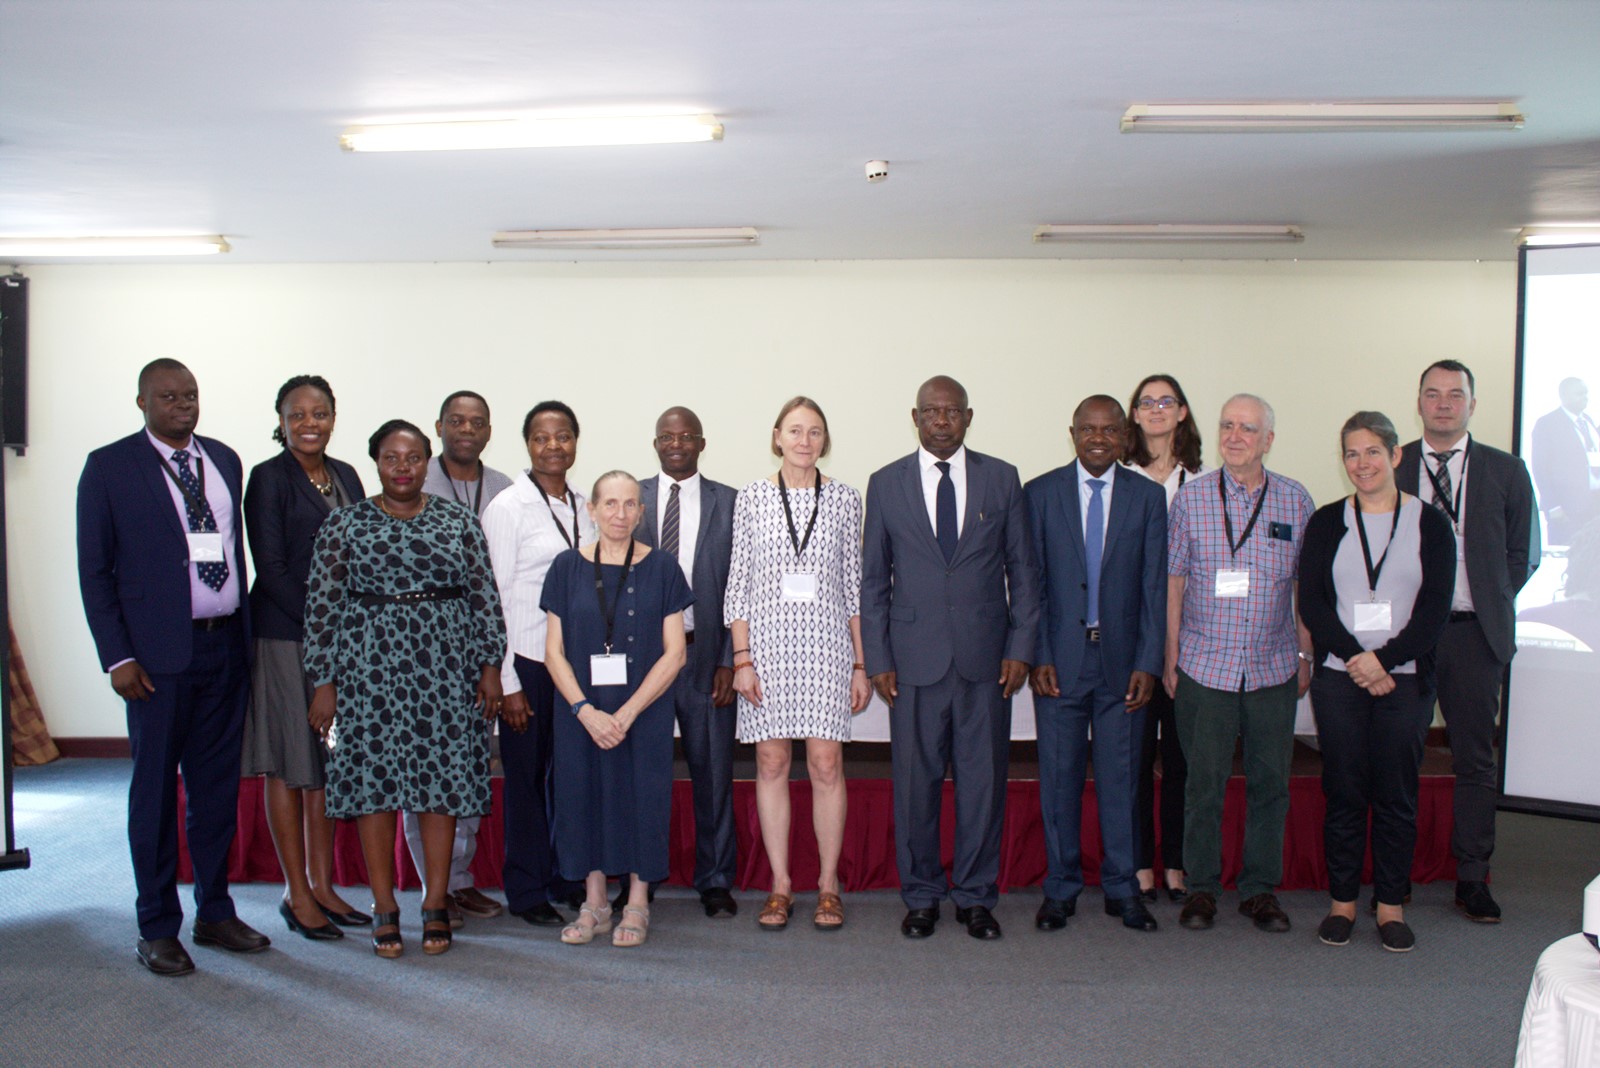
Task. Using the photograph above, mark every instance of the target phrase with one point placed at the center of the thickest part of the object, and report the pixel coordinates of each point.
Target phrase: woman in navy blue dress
(614, 646)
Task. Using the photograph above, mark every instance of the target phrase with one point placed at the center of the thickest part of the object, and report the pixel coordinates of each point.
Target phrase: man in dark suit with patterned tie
(1488, 497)
(1100, 532)
(946, 541)
(161, 566)
(690, 517)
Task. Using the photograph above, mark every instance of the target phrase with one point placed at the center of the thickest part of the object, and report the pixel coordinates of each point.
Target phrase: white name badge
(205, 548)
(799, 586)
(1372, 616)
(608, 669)
(1233, 583)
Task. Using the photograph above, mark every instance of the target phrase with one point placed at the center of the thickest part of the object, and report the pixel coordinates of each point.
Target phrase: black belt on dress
(214, 622)
(436, 593)
(1463, 617)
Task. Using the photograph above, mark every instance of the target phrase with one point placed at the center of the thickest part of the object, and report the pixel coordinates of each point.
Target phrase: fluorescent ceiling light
(1156, 233)
(553, 132)
(113, 246)
(702, 237)
(1567, 234)
(1323, 115)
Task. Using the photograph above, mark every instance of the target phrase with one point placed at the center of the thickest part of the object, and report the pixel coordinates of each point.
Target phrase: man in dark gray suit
(1488, 498)
(691, 517)
(946, 538)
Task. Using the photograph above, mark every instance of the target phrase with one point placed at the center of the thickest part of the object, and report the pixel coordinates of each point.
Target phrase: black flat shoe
(1148, 895)
(326, 933)
(543, 914)
(164, 956)
(346, 919)
(1177, 894)
(1335, 930)
(1397, 937)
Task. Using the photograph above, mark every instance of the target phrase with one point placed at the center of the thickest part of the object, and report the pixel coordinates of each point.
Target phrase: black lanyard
(1227, 520)
(1440, 497)
(1373, 571)
(477, 500)
(610, 614)
(200, 477)
(572, 502)
(795, 539)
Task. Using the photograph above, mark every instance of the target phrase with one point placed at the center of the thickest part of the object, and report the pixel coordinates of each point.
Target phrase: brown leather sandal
(775, 912)
(830, 912)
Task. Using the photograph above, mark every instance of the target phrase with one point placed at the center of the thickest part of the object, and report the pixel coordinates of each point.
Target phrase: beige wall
(620, 342)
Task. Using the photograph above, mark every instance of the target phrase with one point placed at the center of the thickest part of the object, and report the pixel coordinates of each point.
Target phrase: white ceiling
(223, 116)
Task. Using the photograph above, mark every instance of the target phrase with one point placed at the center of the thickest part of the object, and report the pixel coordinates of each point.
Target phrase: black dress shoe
(346, 919)
(1134, 914)
(717, 901)
(1265, 912)
(1199, 912)
(1177, 894)
(1148, 894)
(980, 922)
(1053, 914)
(919, 923)
(1474, 899)
(232, 934)
(164, 956)
(325, 933)
(543, 914)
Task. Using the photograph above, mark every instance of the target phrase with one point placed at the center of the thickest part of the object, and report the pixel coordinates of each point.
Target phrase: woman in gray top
(1376, 573)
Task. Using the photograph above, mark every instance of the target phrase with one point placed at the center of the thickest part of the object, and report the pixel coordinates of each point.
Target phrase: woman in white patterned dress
(794, 605)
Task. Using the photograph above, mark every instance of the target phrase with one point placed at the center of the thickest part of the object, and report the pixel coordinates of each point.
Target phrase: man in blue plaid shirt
(1237, 658)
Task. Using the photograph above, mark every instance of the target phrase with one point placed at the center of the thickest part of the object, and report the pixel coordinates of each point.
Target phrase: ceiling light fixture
(548, 132)
(1562, 234)
(1322, 115)
(700, 237)
(205, 245)
(1155, 233)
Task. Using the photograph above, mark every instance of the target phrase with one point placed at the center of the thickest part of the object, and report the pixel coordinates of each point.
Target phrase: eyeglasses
(1150, 404)
(667, 441)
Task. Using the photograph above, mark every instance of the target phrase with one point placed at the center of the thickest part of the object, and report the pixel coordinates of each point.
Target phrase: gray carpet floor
(709, 992)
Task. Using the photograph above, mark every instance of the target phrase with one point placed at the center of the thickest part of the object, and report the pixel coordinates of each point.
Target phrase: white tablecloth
(1561, 1021)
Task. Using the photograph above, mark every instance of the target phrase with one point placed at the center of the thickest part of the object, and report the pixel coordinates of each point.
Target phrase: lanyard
(1374, 570)
(610, 614)
(1227, 520)
(1440, 497)
(795, 539)
(200, 476)
(1183, 472)
(570, 498)
(477, 500)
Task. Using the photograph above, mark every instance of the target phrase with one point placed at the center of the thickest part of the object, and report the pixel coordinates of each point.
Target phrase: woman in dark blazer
(1377, 571)
(285, 502)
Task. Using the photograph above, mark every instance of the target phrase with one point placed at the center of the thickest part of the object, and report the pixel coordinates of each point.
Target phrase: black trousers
(1470, 678)
(708, 735)
(1371, 749)
(194, 721)
(1174, 774)
(530, 864)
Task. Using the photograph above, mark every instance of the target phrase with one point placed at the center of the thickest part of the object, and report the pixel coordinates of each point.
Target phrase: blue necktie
(1094, 542)
(212, 573)
(944, 512)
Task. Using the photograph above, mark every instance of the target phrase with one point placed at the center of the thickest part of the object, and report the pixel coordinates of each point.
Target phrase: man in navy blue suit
(161, 566)
(1100, 532)
(949, 602)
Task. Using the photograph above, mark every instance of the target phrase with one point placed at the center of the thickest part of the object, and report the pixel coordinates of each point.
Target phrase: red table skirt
(868, 859)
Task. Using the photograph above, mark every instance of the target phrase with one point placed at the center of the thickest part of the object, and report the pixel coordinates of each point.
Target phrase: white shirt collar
(1105, 476)
(1459, 445)
(958, 459)
(686, 487)
(166, 450)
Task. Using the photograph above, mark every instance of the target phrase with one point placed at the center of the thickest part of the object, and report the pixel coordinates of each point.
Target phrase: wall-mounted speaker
(14, 362)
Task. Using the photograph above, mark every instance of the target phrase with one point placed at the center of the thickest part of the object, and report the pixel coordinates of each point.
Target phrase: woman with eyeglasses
(1164, 446)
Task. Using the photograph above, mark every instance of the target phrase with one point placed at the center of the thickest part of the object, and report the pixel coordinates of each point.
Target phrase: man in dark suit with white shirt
(691, 517)
(946, 543)
(1100, 533)
(1488, 498)
(1566, 463)
(161, 568)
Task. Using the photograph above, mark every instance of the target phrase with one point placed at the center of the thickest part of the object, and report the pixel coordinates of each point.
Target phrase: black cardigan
(1319, 601)
(283, 512)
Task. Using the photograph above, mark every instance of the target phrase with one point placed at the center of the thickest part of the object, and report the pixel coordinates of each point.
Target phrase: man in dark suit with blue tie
(1101, 535)
(946, 540)
(690, 517)
(161, 566)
